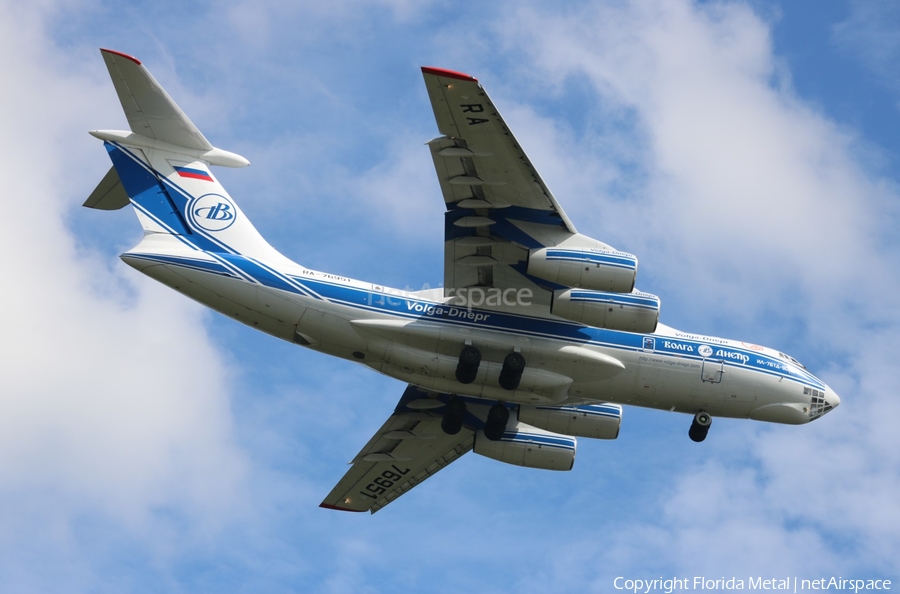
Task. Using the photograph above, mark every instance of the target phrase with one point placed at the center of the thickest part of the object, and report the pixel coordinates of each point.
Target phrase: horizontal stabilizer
(149, 109)
(109, 193)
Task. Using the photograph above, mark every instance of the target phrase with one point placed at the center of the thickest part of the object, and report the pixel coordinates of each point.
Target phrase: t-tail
(162, 168)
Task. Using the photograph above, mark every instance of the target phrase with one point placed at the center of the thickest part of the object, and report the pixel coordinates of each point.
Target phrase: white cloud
(114, 404)
(737, 164)
(401, 191)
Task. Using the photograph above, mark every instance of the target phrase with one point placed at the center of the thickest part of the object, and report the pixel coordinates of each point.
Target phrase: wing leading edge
(405, 451)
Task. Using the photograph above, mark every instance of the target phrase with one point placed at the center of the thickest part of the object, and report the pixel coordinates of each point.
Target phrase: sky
(747, 152)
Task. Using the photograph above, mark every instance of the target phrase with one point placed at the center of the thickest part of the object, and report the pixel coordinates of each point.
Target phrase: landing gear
(700, 426)
(467, 369)
(495, 425)
(511, 374)
(454, 413)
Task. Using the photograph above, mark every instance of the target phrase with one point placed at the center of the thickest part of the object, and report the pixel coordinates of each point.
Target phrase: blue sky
(747, 152)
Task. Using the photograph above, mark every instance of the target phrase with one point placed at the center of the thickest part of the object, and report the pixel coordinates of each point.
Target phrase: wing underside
(498, 207)
(409, 448)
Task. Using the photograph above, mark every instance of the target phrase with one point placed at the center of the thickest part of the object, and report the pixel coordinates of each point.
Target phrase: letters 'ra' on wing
(498, 207)
(409, 448)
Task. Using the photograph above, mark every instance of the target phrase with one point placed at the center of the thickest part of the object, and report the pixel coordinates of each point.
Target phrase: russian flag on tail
(192, 173)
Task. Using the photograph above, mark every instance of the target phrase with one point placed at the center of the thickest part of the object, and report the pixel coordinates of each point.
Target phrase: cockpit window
(792, 360)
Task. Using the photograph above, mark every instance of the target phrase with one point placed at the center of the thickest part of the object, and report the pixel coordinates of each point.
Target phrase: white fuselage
(417, 337)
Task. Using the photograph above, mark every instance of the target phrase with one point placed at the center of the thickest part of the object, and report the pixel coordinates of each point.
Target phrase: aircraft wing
(498, 207)
(409, 448)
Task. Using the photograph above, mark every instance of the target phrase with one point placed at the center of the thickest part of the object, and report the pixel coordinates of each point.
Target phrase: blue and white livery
(537, 337)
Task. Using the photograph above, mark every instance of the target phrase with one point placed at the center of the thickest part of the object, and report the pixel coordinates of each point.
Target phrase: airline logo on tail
(212, 212)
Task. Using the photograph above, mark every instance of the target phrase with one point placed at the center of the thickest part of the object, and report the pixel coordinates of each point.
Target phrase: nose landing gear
(700, 426)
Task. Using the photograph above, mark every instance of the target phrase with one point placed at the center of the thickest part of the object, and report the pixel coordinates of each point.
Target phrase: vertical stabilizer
(163, 167)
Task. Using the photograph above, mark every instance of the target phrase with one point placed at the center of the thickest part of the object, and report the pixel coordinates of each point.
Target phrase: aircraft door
(712, 370)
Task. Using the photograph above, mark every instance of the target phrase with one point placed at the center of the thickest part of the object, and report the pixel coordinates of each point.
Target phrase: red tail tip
(447, 73)
(126, 56)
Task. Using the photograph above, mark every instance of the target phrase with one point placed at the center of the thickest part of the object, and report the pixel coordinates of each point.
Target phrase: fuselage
(416, 337)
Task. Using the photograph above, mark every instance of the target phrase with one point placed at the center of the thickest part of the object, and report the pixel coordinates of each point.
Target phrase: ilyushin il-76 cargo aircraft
(537, 336)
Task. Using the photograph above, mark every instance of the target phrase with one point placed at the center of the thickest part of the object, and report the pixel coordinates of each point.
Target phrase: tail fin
(162, 166)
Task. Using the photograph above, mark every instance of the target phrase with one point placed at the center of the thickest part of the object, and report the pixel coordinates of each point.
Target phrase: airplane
(537, 336)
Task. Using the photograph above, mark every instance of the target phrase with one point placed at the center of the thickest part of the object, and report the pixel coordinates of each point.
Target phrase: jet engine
(524, 445)
(598, 421)
(630, 312)
(600, 270)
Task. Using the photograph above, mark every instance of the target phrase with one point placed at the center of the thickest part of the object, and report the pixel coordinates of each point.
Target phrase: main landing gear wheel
(700, 426)
(467, 369)
(454, 413)
(511, 374)
(495, 425)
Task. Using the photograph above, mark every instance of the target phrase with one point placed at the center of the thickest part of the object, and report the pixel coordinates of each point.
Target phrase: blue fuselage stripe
(419, 309)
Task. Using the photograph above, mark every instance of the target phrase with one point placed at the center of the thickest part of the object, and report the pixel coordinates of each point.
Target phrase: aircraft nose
(823, 402)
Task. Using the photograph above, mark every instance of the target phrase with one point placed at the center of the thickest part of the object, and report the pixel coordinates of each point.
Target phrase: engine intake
(598, 421)
(600, 270)
(524, 445)
(630, 312)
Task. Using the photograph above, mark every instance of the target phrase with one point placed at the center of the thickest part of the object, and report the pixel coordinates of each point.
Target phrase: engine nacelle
(524, 445)
(600, 270)
(598, 421)
(630, 312)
